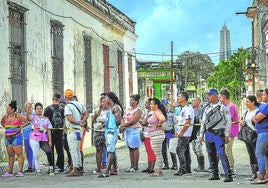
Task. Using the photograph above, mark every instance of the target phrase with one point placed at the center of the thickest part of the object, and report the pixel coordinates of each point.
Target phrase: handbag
(173, 143)
(247, 135)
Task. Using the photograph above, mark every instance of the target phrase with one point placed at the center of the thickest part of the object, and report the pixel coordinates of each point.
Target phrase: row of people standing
(45, 131)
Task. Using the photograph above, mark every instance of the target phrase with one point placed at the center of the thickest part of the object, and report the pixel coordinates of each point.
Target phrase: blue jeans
(216, 145)
(262, 152)
(28, 150)
(104, 156)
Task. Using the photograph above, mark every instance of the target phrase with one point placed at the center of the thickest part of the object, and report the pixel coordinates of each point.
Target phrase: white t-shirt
(187, 112)
(70, 109)
(248, 118)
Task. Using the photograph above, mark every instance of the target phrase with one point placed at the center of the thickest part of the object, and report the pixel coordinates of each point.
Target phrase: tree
(195, 67)
(230, 74)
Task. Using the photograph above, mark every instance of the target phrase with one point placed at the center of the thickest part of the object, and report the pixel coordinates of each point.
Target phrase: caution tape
(143, 126)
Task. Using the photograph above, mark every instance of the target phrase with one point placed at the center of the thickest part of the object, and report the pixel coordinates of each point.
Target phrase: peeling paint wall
(38, 47)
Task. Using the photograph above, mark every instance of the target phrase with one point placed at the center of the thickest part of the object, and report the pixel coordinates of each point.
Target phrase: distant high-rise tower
(225, 43)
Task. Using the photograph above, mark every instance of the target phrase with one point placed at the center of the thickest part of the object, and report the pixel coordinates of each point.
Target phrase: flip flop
(259, 181)
(103, 176)
(155, 174)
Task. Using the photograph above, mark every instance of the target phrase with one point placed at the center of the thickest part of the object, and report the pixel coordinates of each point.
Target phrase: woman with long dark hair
(147, 142)
(157, 135)
(99, 119)
(252, 107)
(115, 115)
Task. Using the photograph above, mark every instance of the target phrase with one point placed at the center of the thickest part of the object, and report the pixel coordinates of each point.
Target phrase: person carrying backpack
(55, 114)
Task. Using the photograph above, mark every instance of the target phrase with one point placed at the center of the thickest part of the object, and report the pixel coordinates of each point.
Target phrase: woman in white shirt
(252, 106)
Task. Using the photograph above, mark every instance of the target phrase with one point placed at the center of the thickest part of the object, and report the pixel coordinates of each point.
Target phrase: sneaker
(38, 174)
(180, 173)
(19, 174)
(214, 177)
(228, 179)
(95, 172)
(165, 168)
(130, 170)
(7, 174)
(29, 170)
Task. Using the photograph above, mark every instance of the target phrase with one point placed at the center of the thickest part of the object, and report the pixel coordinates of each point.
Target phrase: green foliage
(230, 74)
(194, 67)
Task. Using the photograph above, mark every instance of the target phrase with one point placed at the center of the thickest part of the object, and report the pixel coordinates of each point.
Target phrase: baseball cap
(68, 93)
(213, 91)
(164, 101)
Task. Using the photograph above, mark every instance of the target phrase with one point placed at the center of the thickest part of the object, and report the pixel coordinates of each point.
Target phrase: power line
(211, 54)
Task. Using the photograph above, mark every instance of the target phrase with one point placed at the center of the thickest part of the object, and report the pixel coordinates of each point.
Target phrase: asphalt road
(136, 179)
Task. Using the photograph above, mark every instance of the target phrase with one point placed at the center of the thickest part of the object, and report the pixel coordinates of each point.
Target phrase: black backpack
(57, 120)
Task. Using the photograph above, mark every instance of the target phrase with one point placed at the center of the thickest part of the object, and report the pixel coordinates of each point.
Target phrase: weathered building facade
(48, 46)
(258, 12)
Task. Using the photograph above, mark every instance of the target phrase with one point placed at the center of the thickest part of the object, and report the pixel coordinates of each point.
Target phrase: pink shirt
(40, 126)
(234, 116)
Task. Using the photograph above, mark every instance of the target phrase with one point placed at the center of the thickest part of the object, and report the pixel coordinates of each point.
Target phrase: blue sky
(192, 25)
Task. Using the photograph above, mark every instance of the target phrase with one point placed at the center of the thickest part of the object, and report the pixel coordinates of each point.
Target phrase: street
(137, 179)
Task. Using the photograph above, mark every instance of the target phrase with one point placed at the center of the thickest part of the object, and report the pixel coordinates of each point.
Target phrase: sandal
(7, 174)
(259, 181)
(103, 176)
(156, 174)
(113, 173)
(19, 174)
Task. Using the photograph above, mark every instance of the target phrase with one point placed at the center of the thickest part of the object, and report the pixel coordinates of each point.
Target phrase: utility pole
(171, 75)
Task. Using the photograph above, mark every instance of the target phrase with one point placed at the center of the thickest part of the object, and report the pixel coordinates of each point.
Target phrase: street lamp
(253, 68)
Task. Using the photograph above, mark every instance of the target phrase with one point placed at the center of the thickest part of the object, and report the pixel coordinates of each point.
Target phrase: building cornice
(106, 13)
(261, 2)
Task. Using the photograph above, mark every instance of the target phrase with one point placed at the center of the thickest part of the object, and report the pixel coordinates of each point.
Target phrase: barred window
(57, 56)
(88, 72)
(17, 53)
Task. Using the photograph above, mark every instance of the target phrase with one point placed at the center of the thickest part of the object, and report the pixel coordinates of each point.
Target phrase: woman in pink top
(13, 123)
(41, 138)
(147, 142)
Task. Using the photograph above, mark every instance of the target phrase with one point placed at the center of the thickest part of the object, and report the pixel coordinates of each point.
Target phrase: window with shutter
(88, 73)
(17, 53)
(106, 68)
(120, 75)
(130, 79)
(57, 56)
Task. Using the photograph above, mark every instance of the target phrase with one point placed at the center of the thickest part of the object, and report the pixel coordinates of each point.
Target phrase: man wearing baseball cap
(76, 116)
(215, 126)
